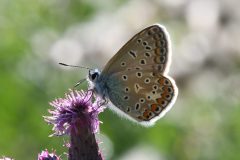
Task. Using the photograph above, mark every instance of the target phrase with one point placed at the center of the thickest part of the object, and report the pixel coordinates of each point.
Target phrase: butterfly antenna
(68, 65)
(79, 82)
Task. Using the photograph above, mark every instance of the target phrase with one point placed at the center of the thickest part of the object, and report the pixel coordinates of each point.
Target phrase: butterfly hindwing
(142, 95)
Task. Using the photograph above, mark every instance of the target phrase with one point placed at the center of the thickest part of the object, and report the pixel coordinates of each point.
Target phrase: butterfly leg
(103, 102)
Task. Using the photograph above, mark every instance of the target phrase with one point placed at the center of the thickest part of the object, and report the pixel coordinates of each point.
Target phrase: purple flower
(74, 111)
(77, 116)
(45, 155)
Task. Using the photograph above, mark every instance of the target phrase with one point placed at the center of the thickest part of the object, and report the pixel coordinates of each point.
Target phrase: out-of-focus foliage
(36, 35)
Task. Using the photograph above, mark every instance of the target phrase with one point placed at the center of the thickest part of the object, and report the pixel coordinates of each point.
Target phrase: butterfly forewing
(149, 48)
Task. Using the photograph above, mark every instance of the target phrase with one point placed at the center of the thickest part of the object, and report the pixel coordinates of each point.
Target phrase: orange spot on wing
(159, 100)
(153, 107)
(161, 81)
(146, 114)
(165, 96)
(167, 89)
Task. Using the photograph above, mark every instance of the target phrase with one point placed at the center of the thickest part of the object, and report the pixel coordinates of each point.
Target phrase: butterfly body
(135, 80)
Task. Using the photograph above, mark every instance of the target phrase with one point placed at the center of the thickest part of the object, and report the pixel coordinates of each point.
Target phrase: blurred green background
(36, 35)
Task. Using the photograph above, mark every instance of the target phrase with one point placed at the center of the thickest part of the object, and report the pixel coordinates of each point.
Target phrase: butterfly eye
(94, 76)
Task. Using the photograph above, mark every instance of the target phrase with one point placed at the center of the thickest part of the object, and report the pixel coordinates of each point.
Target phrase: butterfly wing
(141, 94)
(151, 46)
(135, 79)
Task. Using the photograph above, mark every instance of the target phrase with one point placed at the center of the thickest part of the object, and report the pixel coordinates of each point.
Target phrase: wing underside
(145, 98)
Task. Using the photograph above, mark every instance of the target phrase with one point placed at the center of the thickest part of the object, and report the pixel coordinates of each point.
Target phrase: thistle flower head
(76, 109)
(45, 155)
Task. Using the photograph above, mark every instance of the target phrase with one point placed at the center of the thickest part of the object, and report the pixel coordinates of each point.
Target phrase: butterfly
(135, 79)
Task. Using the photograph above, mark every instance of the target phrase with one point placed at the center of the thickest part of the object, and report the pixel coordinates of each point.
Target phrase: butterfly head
(93, 75)
(95, 83)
